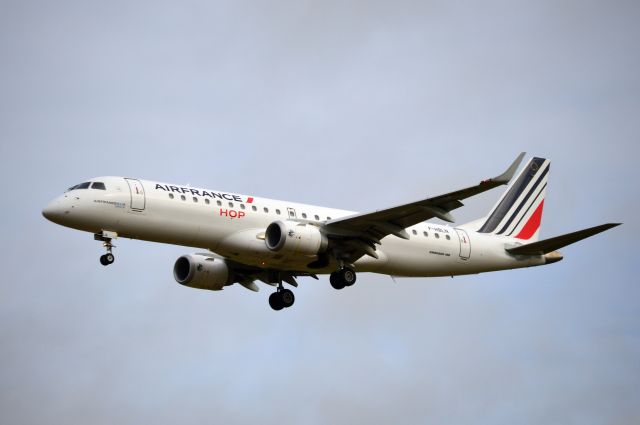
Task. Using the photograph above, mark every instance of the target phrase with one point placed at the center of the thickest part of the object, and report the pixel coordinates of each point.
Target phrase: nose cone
(54, 211)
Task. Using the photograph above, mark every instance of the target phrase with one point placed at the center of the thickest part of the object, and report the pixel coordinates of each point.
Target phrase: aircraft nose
(53, 211)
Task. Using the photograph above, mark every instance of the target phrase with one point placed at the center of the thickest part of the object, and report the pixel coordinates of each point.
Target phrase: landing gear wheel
(336, 280)
(107, 259)
(275, 301)
(348, 276)
(343, 277)
(287, 298)
(282, 298)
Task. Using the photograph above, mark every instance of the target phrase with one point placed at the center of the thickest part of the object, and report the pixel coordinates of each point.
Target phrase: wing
(360, 232)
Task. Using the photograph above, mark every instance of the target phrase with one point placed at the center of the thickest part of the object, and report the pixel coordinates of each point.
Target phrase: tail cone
(552, 257)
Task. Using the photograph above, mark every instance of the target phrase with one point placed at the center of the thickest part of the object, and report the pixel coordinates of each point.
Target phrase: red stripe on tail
(533, 224)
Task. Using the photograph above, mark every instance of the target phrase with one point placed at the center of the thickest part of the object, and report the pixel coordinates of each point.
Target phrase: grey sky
(358, 106)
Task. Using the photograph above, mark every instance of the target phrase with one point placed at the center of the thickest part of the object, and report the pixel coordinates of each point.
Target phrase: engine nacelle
(202, 272)
(291, 237)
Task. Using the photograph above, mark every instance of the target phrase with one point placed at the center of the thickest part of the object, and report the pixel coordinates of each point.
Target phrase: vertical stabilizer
(518, 213)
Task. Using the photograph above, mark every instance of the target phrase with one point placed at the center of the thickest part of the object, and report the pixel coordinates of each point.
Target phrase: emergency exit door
(137, 194)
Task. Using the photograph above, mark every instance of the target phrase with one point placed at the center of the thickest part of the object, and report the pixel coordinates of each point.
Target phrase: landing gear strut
(282, 298)
(339, 279)
(107, 258)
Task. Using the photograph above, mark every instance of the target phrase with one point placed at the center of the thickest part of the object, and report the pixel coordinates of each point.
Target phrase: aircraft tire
(275, 301)
(287, 298)
(348, 276)
(336, 280)
(103, 260)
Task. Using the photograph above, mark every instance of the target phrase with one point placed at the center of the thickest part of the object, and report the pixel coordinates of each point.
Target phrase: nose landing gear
(106, 237)
(107, 259)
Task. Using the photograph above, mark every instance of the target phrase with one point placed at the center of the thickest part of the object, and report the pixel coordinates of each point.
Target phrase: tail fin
(518, 213)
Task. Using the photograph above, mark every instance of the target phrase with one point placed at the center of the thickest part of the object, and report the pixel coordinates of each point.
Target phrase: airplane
(249, 239)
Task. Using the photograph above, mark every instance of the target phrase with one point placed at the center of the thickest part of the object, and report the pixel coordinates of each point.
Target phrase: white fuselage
(234, 225)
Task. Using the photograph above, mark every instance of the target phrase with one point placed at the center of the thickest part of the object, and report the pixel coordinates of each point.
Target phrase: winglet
(505, 177)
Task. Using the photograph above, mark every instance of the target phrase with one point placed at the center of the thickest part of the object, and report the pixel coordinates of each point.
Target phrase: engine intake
(291, 237)
(202, 272)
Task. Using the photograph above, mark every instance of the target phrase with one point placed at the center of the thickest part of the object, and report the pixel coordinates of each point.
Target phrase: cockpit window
(98, 185)
(84, 185)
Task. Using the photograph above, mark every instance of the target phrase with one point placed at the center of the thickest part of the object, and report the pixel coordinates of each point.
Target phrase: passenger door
(136, 189)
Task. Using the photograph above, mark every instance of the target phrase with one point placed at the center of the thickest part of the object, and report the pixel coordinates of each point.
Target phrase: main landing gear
(282, 298)
(107, 258)
(339, 279)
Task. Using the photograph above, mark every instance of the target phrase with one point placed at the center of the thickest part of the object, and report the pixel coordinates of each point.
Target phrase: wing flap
(549, 245)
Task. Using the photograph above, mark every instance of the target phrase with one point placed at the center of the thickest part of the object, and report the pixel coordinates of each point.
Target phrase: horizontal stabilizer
(552, 244)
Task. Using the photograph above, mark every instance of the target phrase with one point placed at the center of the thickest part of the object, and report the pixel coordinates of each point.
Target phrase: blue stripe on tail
(514, 192)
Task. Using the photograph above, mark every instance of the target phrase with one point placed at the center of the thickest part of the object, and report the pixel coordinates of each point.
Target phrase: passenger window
(184, 198)
(316, 217)
(241, 206)
(98, 185)
(448, 237)
(195, 199)
(437, 235)
(304, 215)
(206, 201)
(231, 204)
(277, 211)
(219, 203)
(414, 232)
(253, 207)
(328, 218)
(266, 209)
(171, 196)
(426, 235)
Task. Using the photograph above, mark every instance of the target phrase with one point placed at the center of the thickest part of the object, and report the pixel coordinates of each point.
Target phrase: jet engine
(202, 272)
(291, 237)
